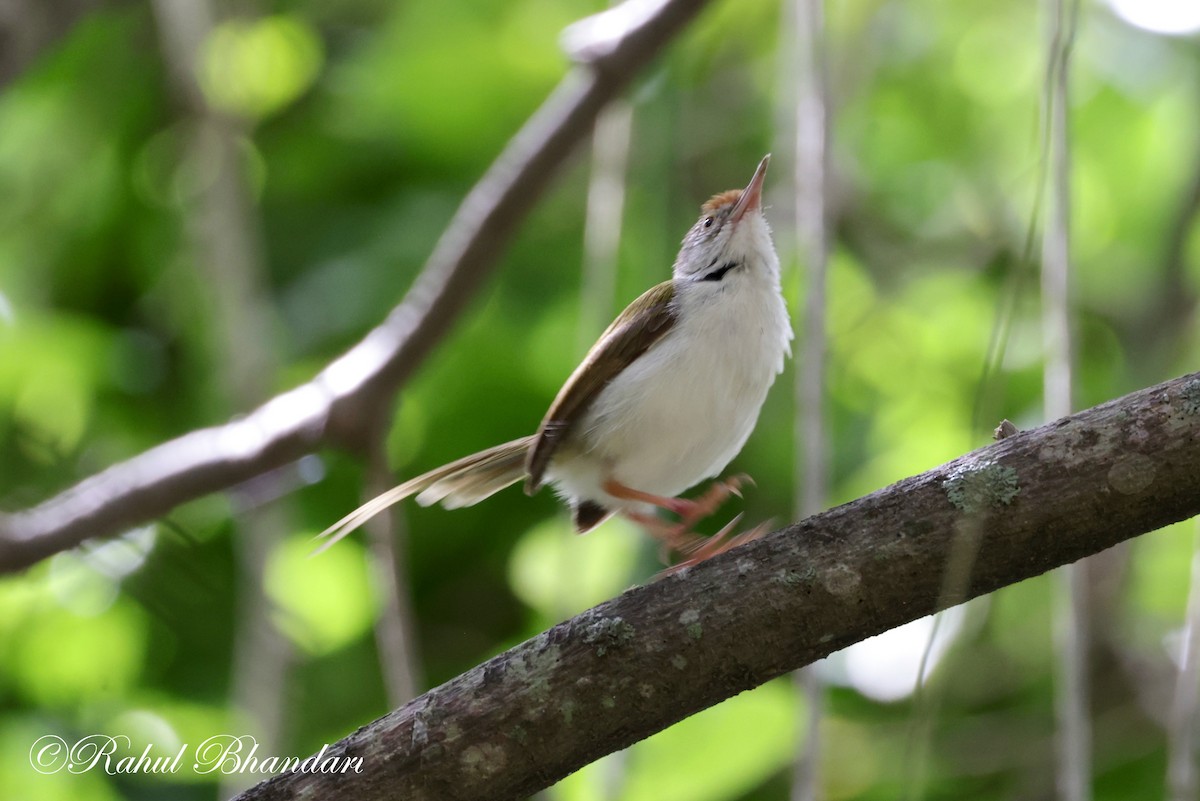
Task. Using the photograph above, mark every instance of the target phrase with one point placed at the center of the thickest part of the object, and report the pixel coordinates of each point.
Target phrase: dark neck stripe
(719, 273)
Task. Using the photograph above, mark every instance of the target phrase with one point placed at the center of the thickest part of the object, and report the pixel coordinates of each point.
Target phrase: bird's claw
(698, 548)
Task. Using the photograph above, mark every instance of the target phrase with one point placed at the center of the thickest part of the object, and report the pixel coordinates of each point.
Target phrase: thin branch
(1071, 620)
(387, 533)
(602, 228)
(806, 772)
(1181, 723)
(811, 186)
(811, 179)
(225, 242)
(658, 653)
(333, 408)
(1056, 243)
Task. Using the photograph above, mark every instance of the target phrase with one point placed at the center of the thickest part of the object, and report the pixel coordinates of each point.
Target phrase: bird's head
(731, 236)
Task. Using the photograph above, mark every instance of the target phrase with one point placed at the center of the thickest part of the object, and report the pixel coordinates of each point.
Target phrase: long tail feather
(464, 482)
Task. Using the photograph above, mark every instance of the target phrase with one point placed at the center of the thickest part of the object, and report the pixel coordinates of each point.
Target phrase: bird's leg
(680, 506)
(679, 537)
(690, 510)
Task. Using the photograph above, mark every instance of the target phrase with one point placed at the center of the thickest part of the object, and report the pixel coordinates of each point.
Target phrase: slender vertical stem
(1056, 239)
(1072, 685)
(602, 229)
(387, 534)
(811, 173)
(226, 245)
(1181, 727)
(806, 773)
(1071, 617)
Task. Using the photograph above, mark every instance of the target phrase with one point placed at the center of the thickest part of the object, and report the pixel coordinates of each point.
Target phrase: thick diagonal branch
(642, 661)
(334, 407)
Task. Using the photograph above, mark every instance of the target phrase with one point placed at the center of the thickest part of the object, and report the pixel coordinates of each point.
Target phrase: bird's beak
(752, 195)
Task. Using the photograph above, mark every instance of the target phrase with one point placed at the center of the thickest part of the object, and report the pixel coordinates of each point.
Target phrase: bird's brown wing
(635, 330)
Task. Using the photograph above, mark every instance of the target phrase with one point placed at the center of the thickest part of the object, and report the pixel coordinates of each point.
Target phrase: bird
(665, 399)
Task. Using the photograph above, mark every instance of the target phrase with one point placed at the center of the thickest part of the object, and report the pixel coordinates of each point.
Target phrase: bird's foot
(679, 538)
(693, 511)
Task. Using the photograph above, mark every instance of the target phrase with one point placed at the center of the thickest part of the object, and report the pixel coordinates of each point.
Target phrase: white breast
(683, 410)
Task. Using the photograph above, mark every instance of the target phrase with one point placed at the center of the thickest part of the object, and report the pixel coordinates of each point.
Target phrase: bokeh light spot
(1174, 17)
(258, 67)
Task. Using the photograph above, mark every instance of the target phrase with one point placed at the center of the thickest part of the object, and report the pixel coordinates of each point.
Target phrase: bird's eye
(708, 221)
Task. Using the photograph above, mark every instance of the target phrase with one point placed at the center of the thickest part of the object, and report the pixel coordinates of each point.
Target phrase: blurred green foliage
(363, 124)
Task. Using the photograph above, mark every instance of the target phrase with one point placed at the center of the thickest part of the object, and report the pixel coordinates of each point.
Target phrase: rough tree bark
(648, 658)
